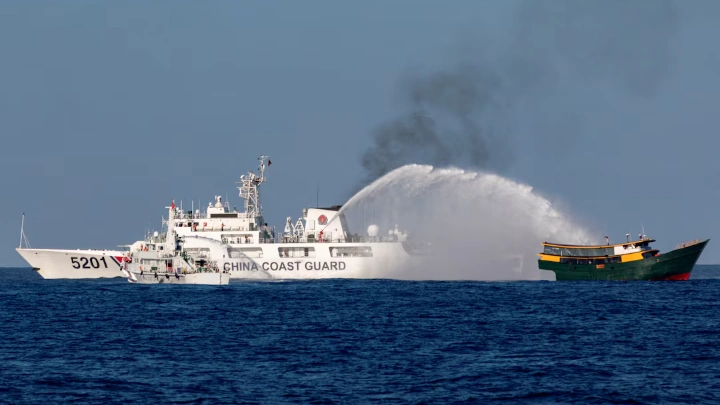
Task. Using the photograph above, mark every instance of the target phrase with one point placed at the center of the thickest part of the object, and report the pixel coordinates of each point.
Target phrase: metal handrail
(687, 244)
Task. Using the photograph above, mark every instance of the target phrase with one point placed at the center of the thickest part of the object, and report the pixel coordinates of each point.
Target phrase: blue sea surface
(359, 341)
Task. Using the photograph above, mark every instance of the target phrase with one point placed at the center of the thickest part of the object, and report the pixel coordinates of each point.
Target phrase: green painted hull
(674, 265)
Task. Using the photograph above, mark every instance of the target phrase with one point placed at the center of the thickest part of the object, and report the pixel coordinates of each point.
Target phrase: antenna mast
(22, 226)
(643, 229)
(250, 189)
(23, 238)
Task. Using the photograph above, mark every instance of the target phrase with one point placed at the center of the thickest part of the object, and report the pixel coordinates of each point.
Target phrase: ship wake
(482, 226)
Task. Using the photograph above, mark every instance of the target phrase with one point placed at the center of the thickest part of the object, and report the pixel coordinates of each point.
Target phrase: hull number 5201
(84, 263)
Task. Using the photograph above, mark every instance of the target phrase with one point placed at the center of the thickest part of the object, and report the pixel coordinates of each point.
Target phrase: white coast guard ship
(317, 245)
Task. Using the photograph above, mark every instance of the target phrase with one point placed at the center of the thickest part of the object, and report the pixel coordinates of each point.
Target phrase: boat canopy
(556, 249)
(629, 243)
(578, 252)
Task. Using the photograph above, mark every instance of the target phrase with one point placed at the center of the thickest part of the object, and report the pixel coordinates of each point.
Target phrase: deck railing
(688, 244)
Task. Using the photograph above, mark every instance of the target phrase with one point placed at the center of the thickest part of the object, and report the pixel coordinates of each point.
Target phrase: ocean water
(359, 341)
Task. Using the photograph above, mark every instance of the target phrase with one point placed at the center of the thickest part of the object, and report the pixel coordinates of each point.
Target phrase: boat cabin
(598, 254)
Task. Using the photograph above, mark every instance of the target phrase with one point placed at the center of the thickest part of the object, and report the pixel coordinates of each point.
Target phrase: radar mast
(250, 189)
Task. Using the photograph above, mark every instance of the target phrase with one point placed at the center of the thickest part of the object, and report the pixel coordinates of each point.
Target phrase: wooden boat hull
(674, 265)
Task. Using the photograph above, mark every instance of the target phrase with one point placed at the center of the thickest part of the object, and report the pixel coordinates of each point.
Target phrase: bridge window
(351, 251)
(296, 252)
(236, 252)
(231, 215)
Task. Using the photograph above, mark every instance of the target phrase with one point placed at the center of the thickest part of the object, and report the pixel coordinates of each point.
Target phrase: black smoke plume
(448, 122)
(463, 115)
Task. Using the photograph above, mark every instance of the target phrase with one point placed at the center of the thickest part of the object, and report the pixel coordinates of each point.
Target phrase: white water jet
(480, 224)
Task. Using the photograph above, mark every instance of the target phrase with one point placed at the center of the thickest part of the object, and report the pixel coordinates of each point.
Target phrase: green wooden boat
(632, 260)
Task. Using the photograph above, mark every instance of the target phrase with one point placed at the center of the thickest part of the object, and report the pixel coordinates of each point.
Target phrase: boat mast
(250, 189)
(643, 229)
(22, 226)
(23, 238)
(170, 237)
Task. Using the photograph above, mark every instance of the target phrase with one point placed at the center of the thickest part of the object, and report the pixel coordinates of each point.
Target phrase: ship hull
(267, 264)
(167, 278)
(308, 269)
(386, 258)
(674, 265)
(74, 264)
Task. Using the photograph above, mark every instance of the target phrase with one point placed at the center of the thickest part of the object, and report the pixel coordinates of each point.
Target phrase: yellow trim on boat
(549, 258)
(631, 257)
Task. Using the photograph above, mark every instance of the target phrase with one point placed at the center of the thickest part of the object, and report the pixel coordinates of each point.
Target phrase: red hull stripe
(677, 277)
(119, 260)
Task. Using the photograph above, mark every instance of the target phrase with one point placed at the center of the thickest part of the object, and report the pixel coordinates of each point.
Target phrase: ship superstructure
(316, 245)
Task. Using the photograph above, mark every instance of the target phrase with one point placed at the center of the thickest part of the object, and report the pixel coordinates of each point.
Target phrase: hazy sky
(110, 110)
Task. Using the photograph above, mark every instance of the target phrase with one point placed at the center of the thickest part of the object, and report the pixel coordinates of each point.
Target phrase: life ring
(204, 224)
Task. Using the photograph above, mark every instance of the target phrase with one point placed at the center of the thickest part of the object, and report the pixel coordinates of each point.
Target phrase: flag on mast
(172, 207)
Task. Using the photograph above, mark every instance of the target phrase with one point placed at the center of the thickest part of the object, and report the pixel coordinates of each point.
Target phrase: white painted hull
(386, 258)
(207, 278)
(307, 269)
(164, 278)
(74, 264)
